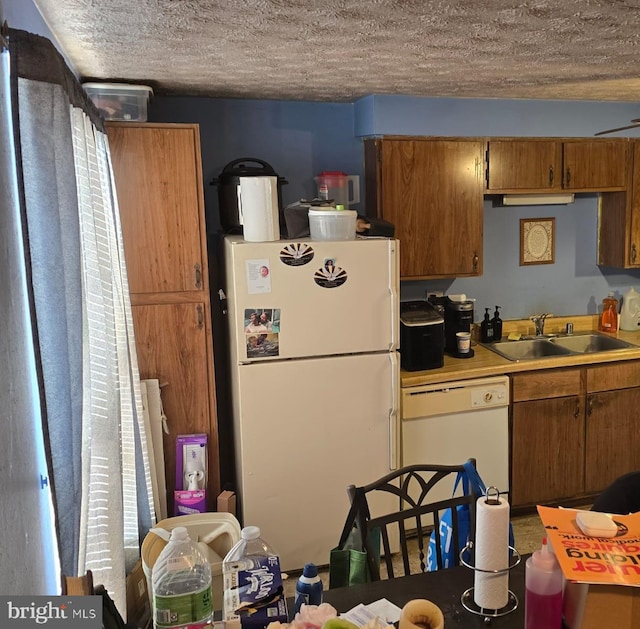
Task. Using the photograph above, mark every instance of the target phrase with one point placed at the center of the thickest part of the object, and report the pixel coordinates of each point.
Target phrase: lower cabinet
(172, 345)
(573, 431)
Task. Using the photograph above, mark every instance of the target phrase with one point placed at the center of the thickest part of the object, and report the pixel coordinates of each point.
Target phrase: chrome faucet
(538, 320)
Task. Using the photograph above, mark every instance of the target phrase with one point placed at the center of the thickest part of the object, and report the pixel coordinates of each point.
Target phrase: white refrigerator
(315, 382)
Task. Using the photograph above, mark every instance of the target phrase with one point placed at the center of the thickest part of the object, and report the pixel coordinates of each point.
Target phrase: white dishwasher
(451, 422)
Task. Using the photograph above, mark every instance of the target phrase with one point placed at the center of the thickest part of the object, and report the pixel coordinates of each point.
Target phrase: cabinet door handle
(476, 260)
(576, 413)
(198, 275)
(200, 317)
(589, 405)
(568, 176)
(634, 253)
(550, 175)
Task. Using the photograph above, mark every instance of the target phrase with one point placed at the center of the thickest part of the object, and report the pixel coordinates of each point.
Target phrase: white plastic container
(181, 585)
(215, 533)
(630, 312)
(120, 101)
(328, 224)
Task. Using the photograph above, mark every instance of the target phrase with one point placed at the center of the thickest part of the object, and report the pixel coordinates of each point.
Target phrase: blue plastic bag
(470, 481)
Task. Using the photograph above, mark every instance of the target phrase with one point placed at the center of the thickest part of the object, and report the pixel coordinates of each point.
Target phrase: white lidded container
(328, 224)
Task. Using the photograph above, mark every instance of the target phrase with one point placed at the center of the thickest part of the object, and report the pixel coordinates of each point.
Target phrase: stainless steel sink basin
(529, 349)
(563, 345)
(588, 343)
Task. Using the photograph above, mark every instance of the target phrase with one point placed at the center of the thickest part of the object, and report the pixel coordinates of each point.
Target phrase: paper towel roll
(258, 204)
(491, 591)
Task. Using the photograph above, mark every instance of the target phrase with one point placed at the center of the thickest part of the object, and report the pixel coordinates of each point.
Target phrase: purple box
(187, 502)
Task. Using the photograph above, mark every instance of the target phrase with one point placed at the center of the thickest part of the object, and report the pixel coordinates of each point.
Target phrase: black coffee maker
(458, 317)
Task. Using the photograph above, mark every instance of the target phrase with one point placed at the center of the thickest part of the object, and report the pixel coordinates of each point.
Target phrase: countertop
(487, 363)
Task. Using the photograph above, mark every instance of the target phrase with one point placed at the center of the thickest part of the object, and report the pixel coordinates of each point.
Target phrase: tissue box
(254, 598)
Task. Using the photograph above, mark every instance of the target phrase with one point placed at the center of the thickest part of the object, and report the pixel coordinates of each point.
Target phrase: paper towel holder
(492, 496)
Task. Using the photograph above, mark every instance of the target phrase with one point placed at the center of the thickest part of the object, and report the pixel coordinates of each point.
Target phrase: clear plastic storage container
(329, 224)
(120, 101)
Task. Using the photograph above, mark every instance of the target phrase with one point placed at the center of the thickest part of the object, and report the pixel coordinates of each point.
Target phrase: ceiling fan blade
(635, 123)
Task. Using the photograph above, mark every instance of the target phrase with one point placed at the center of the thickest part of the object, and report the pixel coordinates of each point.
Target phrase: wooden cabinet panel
(159, 185)
(432, 191)
(595, 164)
(612, 435)
(619, 219)
(547, 450)
(537, 385)
(156, 173)
(543, 165)
(623, 375)
(172, 346)
(524, 165)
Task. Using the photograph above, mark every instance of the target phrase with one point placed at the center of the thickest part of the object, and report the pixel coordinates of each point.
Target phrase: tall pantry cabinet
(158, 175)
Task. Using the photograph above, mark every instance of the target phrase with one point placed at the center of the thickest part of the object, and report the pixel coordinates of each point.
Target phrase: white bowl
(332, 224)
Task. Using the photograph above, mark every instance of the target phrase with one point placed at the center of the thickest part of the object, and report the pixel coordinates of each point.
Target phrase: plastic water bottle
(543, 590)
(251, 552)
(248, 552)
(309, 587)
(181, 585)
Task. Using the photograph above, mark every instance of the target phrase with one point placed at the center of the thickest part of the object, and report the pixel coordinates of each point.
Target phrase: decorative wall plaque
(537, 240)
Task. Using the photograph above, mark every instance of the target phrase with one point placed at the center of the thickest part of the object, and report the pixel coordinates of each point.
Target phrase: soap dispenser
(497, 324)
(486, 328)
(609, 316)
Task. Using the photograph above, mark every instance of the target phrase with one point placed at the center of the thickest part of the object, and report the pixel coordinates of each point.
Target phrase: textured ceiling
(337, 50)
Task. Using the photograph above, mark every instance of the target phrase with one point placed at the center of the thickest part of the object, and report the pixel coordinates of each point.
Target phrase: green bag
(348, 560)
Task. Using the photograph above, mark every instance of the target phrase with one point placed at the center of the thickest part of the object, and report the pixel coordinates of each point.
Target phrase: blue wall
(300, 139)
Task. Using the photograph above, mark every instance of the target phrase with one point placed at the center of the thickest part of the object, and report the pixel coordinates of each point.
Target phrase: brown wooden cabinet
(555, 165)
(547, 438)
(158, 175)
(612, 431)
(574, 431)
(432, 191)
(619, 219)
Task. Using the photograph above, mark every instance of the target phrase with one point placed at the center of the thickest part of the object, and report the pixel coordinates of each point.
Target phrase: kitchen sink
(528, 349)
(563, 345)
(588, 343)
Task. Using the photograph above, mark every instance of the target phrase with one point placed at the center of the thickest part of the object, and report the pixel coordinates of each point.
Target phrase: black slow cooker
(228, 182)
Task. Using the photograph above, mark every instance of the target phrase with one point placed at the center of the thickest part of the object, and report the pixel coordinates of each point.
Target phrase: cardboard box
(254, 598)
(597, 606)
(138, 606)
(227, 502)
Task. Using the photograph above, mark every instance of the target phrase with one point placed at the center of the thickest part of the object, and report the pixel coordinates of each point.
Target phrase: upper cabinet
(619, 219)
(157, 174)
(432, 191)
(560, 165)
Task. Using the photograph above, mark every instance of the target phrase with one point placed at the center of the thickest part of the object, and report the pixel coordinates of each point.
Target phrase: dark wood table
(444, 588)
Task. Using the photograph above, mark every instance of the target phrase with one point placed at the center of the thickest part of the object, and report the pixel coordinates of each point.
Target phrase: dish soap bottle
(486, 328)
(543, 590)
(497, 324)
(609, 317)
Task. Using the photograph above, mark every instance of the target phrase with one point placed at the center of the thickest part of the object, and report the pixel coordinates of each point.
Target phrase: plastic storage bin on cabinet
(215, 533)
(332, 224)
(119, 101)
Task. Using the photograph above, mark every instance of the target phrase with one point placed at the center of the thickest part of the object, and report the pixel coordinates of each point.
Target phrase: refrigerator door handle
(394, 420)
(393, 294)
